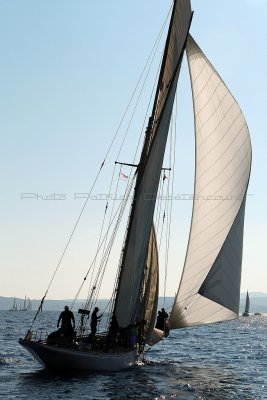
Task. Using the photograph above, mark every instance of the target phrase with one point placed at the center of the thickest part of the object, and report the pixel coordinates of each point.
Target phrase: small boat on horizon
(27, 304)
(247, 306)
(15, 306)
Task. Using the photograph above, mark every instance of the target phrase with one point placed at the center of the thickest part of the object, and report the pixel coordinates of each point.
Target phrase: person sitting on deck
(94, 321)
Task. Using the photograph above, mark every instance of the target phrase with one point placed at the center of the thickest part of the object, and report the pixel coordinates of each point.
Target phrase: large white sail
(128, 299)
(210, 284)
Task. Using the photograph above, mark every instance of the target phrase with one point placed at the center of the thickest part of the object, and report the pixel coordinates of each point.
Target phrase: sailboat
(209, 288)
(26, 304)
(23, 308)
(247, 306)
(14, 307)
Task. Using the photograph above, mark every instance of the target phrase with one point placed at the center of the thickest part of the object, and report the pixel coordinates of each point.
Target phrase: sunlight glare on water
(221, 361)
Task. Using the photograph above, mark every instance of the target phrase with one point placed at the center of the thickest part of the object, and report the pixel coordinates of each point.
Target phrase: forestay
(210, 284)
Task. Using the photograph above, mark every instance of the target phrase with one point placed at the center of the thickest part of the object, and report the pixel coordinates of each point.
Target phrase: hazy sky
(67, 71)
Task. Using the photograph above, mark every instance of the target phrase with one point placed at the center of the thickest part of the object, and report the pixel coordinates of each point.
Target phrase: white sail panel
(222, 285)
(223, 161)
(151, 286)
(127, 305)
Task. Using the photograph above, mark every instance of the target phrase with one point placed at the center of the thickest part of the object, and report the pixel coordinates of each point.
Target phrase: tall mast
(149, 169)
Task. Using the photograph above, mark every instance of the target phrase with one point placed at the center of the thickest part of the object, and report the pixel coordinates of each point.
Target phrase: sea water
(220, 361)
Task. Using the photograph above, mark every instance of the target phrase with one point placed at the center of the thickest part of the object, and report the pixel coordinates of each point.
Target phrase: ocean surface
(221, 361)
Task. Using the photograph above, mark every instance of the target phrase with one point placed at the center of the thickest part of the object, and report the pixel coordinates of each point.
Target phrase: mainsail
(210, 284)
(128, 298)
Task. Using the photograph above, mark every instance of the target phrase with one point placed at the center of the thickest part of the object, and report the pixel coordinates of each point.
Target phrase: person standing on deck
(67, 319)
(94, 320)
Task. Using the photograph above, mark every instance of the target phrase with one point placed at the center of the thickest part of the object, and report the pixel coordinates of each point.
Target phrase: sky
(67, 71)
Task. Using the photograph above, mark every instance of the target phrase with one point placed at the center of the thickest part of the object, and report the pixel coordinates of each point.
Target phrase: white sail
(151, 286)
(127, 306)
(210, 284)
(247, 305)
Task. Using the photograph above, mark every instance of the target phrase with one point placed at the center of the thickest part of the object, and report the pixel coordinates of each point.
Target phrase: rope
(172, 162)
(151, 56)
(100, 169)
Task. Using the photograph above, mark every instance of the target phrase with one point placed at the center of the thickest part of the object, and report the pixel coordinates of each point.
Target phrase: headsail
(151, 286)
(210, 285)
(127, 304)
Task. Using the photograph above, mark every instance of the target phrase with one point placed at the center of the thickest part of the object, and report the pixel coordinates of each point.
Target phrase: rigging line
(126, 195)
(155, 47)
(114, 287)
(102, 269)
(165, 210)
(185, 298)
(97, 176)
(148, 67)
(112, 238)
(158, 207)
(120, 211)
(140, 95)
(166, 244)
(162, 228)
(134, 108)
(68, 242)
(98, 245)
(199, 309)
(172, 162)
(151, 56)
(136, 104)
(101, 231)
(109, 248)
(113, 204)
(138, 82)
(168, 212)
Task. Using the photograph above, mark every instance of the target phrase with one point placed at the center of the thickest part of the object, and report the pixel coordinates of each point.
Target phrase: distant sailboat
(24, 308)
(27, 305)
(209, 289)
(14, 307)
(247, 306)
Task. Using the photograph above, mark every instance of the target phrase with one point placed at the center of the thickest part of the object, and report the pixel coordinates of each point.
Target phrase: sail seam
(234, 158)
(226, 197)
(223, 137)
(230, 177)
